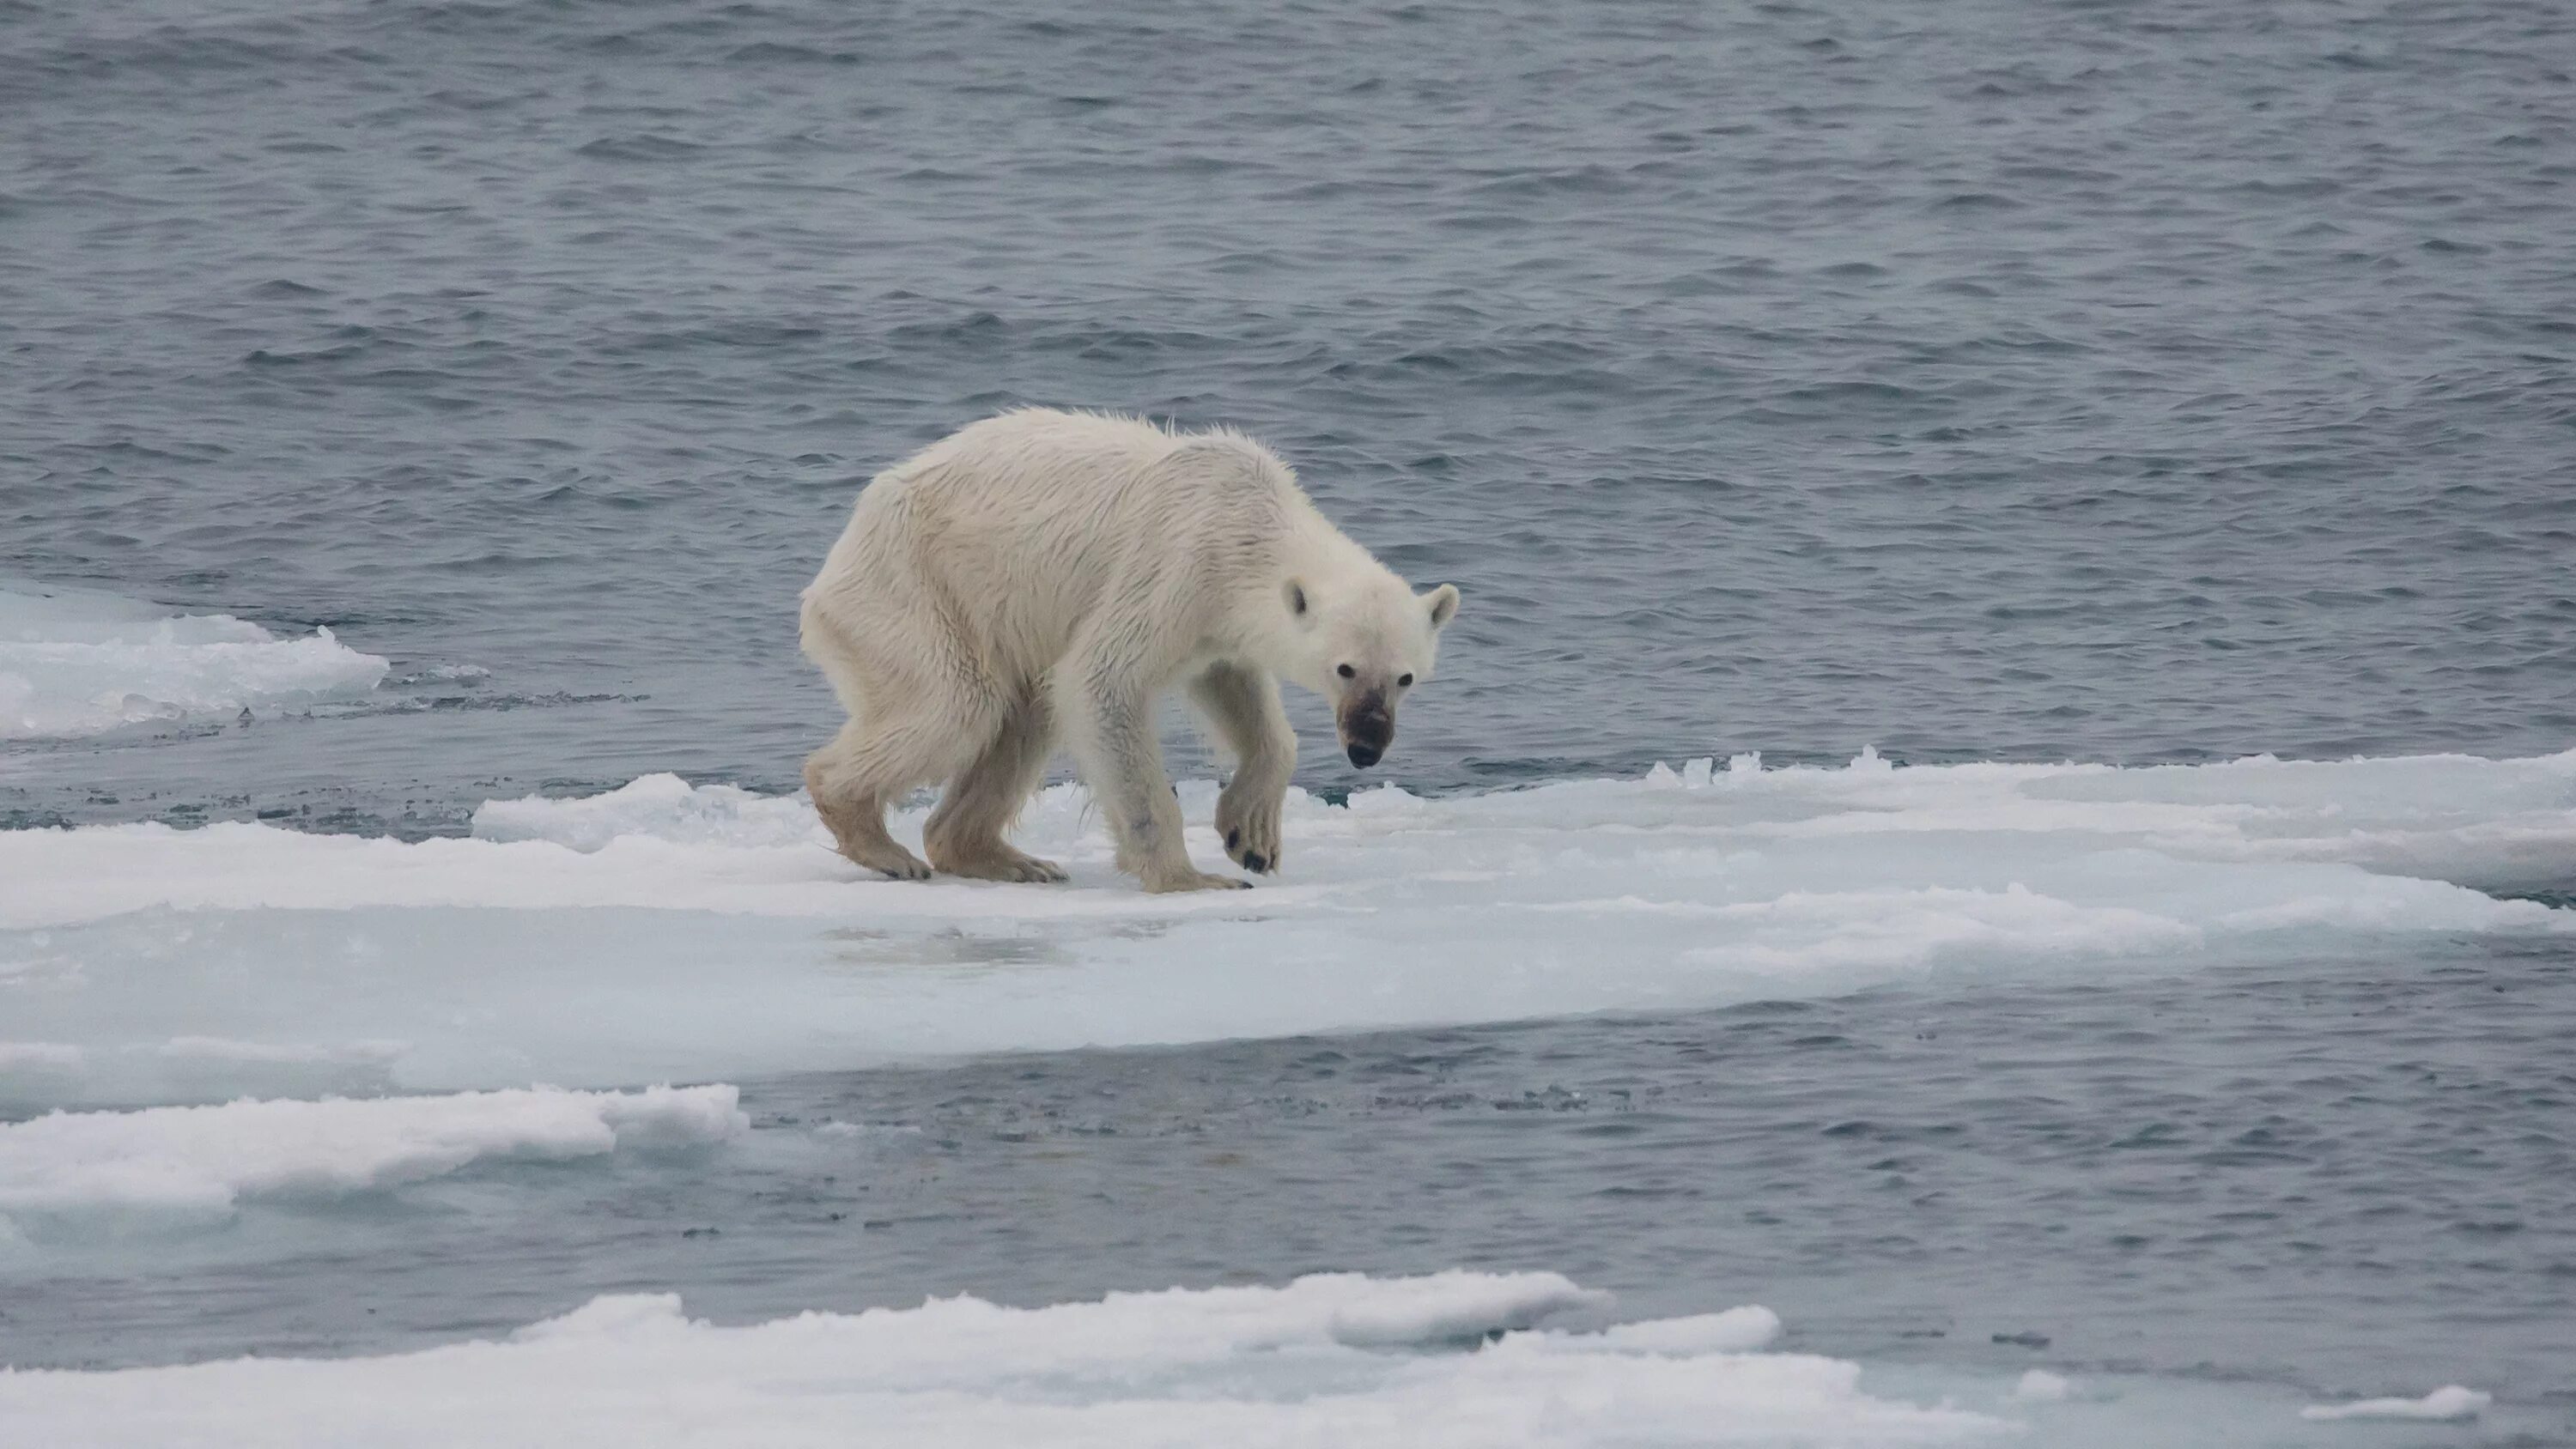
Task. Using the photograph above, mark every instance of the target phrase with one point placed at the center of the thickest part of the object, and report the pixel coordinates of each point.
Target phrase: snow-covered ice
(73, 662)
(197, 1162)
(1339, 1360)
(2039, 1386)
(2449, 1402)
(1466, 1359)
(670, 932)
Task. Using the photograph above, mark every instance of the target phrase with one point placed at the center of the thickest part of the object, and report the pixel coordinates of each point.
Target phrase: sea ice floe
(2448, 1402)
(664, 931)
(79, 663)
(2039, 1386)
(196, 1162)
(1340, 1360)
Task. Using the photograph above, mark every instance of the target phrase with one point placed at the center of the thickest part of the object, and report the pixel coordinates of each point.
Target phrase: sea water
(1988, 860)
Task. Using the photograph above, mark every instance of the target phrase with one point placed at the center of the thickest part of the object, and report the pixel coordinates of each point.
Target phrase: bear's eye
(1346, 671)
(1404, 681)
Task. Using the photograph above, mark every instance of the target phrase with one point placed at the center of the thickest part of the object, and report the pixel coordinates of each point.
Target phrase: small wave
(262, 357)
(1841, 394)
(764, 52)
(1592, 180)
(641, 148)
(738, 334)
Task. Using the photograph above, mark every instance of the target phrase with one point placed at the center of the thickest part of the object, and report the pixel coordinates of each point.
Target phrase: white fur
(1046, 573)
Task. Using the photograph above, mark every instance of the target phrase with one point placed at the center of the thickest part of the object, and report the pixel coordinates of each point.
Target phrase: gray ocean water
(2129, 383)
(2117, 382)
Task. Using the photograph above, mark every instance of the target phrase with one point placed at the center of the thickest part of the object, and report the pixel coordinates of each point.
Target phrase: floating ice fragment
(2039, 1386)
(1267, 1366)
(1737, 1330)
(2450, 1401)
(77, 663)
(197, 1161)
(610, 1315)
(1447, 1307)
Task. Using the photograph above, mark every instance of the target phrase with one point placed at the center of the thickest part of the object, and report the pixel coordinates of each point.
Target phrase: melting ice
(665, 932)
(79, 663)
(196, 1162)
(1335, 1359)
(371, 1013)
(1473, 1360)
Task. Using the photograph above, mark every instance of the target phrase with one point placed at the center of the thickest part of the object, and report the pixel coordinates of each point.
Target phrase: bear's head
(1364, 643)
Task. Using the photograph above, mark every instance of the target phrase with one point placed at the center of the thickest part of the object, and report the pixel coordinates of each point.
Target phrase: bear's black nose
(1364, 755)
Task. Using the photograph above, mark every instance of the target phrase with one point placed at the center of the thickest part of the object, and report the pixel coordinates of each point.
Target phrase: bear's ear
(1294, 594)
(1443, 603)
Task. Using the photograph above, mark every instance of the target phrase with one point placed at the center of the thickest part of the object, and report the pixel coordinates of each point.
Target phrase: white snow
(660, 807)
(195, 1162)
(73, 662)
(2447, 1402)
(1241, 1366)
(663, 931)
(1737, 1330)
(2039, 1386)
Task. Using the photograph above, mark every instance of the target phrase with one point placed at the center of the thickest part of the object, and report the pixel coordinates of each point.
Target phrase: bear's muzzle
(1367, 728)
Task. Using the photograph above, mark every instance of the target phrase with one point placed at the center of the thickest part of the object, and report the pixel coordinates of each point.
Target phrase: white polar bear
(1045, 571)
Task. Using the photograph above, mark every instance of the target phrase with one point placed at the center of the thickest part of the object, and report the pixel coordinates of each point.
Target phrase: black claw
(1255, 861)
(1233, 838)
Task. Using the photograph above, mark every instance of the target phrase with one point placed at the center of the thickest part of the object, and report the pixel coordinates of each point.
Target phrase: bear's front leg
(1242, 702)
(1108, 718)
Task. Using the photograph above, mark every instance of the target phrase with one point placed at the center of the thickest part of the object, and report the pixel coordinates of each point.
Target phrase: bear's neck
(1317, 551)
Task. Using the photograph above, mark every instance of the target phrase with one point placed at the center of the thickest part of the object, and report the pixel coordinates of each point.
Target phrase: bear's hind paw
(898, 865)
(1194, 880)
(1005, 864)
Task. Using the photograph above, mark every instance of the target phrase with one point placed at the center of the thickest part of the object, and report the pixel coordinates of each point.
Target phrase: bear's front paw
(1250, 831)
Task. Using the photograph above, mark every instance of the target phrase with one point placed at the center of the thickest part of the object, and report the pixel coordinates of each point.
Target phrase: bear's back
(1028, 520)
(1062, 477)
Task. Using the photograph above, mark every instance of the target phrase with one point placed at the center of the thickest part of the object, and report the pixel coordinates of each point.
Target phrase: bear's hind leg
(854, 809)
(964, 836)
(864, 767)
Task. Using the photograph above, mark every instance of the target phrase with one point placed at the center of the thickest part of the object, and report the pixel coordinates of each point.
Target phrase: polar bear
(1048, 574)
